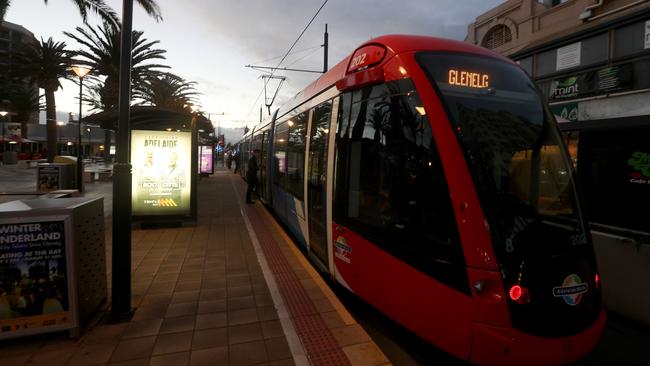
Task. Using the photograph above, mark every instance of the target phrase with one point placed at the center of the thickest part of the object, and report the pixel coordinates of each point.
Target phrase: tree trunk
(50, 117)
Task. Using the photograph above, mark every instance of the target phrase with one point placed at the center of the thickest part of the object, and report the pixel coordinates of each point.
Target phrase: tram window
(341, 158)
(397, 195)
(296, 144)
(280, 159)
(614, 168)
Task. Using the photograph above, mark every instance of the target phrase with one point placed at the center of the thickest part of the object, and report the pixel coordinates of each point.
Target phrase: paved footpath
(231, 290)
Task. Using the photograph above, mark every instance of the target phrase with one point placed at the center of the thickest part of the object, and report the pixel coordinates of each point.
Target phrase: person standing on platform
(251, 176)
(236, 158)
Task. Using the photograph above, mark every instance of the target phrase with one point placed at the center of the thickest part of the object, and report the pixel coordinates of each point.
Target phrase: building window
(497, 37)
(614, 172)
(550, 3)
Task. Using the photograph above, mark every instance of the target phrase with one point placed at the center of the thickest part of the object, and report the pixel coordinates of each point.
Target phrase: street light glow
(3, 113)
(81, 70)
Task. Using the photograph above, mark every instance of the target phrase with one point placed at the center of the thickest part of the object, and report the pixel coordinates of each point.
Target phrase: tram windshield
(515, 153)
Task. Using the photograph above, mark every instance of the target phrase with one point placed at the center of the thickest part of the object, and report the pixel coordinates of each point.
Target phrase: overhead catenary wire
(294, 53)
(303, 57)
(285, 56)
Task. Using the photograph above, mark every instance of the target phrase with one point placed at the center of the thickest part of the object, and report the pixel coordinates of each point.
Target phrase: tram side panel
(288, 175)
(393, 221)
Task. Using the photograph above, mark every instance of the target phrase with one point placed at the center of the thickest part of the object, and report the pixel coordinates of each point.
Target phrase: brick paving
(202, 298)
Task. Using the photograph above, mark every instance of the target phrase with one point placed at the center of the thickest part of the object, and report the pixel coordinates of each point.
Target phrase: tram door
(317, 180)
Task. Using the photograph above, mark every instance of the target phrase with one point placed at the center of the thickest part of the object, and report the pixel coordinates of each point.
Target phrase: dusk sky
(210, 41)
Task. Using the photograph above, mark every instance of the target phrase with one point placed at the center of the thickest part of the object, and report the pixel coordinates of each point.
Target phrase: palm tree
(168, 91)
(102, 54)
(44, 64)
(98, 6)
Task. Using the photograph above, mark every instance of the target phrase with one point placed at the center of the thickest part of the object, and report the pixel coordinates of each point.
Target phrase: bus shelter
(164, 153)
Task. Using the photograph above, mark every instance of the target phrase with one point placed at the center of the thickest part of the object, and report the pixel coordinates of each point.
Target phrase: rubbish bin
(54, 260)
(66, 159)
(54, 176)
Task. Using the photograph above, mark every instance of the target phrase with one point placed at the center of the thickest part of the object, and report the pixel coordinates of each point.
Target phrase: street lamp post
(89, 150)
(59, 125)
(3, 114)
(80, 71)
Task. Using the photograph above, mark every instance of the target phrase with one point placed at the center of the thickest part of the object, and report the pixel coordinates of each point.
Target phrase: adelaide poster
(161, 162)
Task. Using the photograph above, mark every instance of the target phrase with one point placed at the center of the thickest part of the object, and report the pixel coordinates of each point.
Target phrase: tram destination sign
(468, 79)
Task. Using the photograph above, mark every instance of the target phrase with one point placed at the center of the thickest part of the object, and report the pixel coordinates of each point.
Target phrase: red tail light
(519, 294)
(597, 280)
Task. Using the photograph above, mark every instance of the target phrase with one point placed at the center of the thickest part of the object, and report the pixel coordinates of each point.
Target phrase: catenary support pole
(325, 46)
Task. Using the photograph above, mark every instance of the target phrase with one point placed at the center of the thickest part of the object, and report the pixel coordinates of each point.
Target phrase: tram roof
(394, 44)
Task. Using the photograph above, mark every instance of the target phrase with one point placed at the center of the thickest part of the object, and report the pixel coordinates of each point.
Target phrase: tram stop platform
(232, 290)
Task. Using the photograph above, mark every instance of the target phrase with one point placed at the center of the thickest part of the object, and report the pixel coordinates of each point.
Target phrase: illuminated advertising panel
(34, 285)
(206, 163)
(161, 183)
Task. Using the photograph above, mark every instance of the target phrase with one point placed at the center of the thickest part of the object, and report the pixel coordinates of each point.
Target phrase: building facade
(12, 38)
(591, 60)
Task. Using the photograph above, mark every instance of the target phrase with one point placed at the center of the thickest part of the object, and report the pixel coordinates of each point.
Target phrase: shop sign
(615, 77)
(565, 88)
(607, 79)
(34, 292)
(640, 164)
(12, 131)
(161, 182)
(567, 111)
(568, 56)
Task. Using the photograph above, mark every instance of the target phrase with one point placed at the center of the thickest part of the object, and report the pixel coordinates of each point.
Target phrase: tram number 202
(358, 60)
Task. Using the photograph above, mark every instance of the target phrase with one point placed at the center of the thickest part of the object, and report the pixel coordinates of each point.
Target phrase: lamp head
(81, 71)
(3, 113)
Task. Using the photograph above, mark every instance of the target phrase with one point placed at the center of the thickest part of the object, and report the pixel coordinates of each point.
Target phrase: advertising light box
(206, 163)
(161, 162)
(34, 282)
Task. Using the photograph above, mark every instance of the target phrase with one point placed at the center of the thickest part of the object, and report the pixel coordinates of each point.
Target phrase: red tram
(428, 177)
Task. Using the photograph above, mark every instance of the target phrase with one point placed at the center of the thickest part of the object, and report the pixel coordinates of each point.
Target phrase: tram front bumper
(508, 346)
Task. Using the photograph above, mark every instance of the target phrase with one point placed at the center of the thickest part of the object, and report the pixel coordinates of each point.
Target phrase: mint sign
(565, 88)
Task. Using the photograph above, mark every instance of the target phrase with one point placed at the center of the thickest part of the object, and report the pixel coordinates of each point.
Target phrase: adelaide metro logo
(571, 290)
